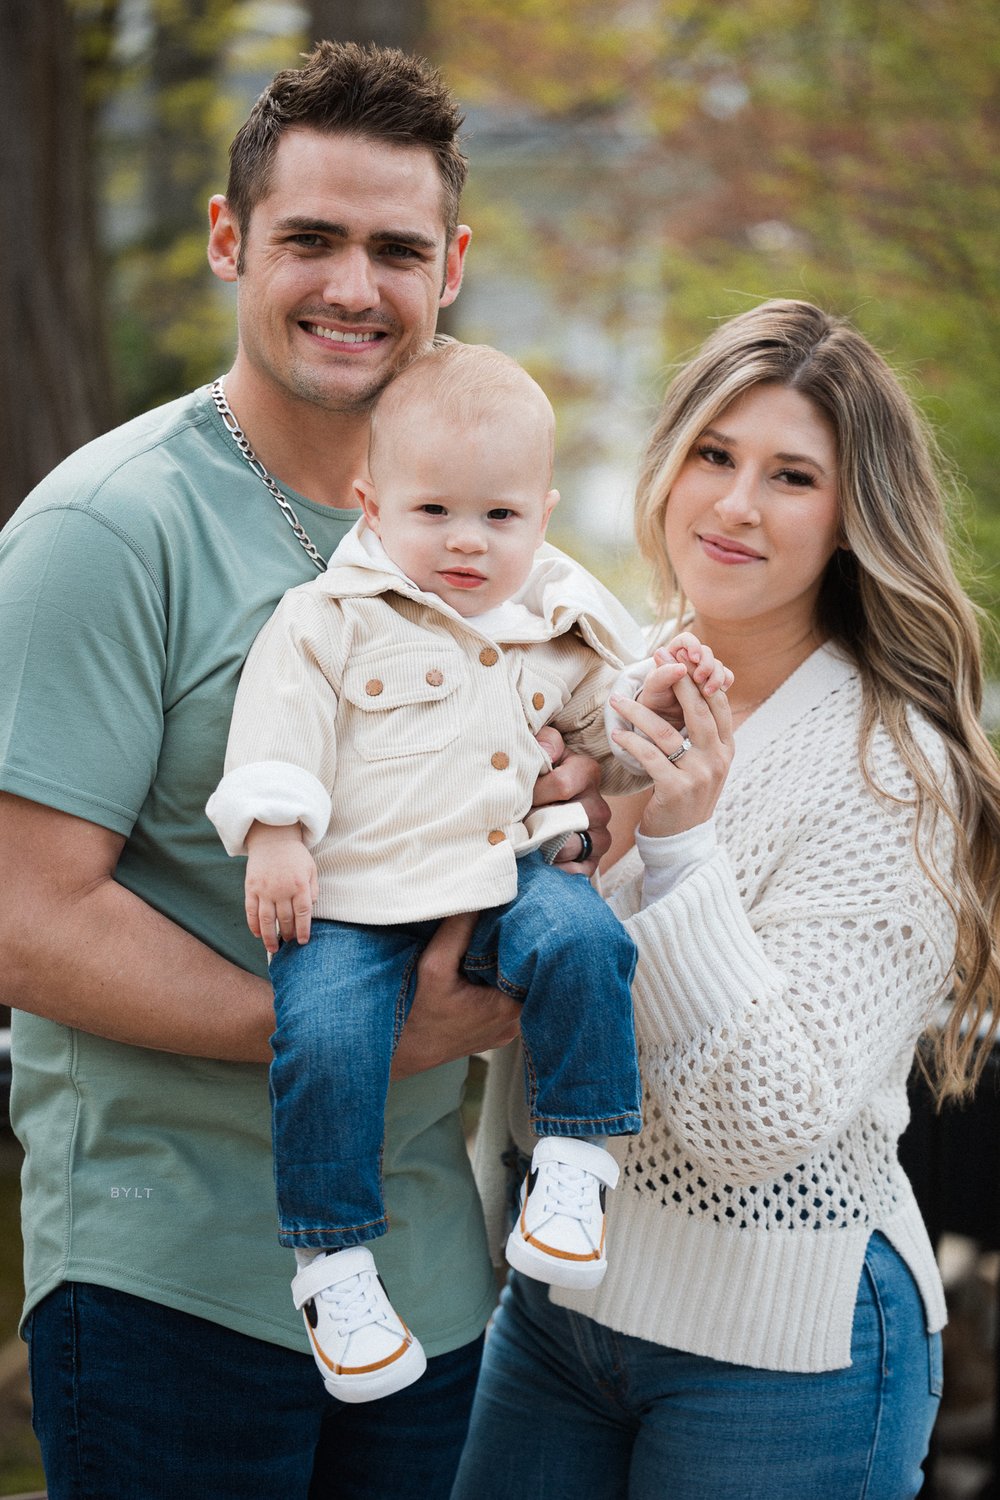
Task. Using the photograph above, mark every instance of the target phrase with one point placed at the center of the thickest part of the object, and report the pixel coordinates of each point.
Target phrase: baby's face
(462, 510)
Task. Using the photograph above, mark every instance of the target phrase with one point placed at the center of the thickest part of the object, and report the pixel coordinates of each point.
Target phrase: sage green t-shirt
(132, 583)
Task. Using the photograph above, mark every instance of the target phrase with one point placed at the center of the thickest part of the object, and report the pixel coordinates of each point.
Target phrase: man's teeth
(337, 337)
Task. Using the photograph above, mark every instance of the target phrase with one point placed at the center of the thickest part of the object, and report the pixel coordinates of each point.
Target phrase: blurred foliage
(671, 162)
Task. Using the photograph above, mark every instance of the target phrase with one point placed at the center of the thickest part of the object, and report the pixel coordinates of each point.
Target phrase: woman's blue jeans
(567, 1408)
(134, 1401)
(340, 1003)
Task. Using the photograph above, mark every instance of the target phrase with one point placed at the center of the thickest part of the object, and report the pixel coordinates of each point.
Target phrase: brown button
(497, 836)
(373, 687)
(499, 761)
(434, 677)
(489, 657)
(538, 700)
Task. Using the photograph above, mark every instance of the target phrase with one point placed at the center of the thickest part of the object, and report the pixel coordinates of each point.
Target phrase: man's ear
(454, 263)
(223, 239)
(364, 493)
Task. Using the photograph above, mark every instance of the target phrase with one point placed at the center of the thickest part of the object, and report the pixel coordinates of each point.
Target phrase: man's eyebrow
(302, 224)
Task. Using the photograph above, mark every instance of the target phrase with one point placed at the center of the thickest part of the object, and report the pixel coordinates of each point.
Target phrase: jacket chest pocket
(407, 700)
(541, 695)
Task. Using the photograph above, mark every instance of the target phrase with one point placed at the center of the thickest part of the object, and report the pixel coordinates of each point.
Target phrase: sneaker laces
(569, 1191)
(353, 1303)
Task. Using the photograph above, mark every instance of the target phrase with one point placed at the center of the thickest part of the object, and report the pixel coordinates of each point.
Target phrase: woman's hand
(450, 1017)
(687, 774)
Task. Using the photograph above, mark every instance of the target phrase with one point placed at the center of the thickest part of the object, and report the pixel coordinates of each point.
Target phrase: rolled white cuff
(628, 684)
(268, 791)
(669, 860)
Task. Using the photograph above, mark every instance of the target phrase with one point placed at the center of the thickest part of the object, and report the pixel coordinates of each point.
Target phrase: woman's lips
(724, 550)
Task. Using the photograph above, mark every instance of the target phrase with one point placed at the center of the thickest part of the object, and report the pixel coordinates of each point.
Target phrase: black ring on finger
(586, 846)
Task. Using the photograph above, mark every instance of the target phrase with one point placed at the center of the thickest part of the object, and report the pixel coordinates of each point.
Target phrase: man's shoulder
(134, 468)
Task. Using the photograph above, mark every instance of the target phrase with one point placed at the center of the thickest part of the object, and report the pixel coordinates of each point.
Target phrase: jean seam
(883, 1372)
(74, 1366)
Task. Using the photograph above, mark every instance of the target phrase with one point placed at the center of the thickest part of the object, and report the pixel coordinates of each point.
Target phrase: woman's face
(753, 519)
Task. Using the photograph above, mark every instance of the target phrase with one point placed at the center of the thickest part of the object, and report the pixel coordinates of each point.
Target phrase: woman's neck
(761, 657)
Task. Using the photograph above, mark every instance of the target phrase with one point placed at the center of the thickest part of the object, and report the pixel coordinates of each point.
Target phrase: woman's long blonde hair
(892, 601)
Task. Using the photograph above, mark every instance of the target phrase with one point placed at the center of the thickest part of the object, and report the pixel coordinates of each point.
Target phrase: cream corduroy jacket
(781, 987)
(402, 738)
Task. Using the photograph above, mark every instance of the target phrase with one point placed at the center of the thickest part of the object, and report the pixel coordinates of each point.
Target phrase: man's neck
(316, 453)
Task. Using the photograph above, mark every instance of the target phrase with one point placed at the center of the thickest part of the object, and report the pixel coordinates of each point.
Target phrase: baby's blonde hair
(463, 383)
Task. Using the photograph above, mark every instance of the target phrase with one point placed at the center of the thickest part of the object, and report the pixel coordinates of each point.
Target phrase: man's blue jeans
(567, 1407)
(133, 1401)
(340, 1003)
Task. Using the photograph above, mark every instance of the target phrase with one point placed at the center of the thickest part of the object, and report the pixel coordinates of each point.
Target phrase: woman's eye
(797, 477)
(713, 455)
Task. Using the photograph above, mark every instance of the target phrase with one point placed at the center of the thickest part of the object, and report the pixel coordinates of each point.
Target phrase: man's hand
(574, 778)
(450, 1017)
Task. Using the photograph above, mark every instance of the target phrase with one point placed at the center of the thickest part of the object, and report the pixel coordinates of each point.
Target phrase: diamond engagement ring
(685, 747)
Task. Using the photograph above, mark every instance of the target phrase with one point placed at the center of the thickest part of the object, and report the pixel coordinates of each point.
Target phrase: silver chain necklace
(239, 437)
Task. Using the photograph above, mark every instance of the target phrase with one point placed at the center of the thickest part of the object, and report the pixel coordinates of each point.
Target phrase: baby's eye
(433, 510)
(499, 513)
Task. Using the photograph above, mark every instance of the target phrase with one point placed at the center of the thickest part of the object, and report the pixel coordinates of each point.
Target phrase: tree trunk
(55, 390)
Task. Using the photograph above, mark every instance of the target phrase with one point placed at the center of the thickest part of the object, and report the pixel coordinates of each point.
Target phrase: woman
(770, 1323)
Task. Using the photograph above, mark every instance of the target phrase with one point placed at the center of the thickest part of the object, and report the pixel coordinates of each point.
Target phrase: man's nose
(351, 283)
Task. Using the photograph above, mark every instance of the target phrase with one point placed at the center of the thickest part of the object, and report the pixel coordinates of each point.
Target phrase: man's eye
(400, 252)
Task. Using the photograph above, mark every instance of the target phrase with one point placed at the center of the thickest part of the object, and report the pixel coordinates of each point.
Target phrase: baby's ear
(364, 492)
(548, 506)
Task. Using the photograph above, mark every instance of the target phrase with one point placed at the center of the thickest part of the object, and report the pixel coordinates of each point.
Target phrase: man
(165, 1358)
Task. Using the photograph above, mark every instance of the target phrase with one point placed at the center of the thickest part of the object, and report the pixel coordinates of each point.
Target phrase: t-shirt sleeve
(83, 628)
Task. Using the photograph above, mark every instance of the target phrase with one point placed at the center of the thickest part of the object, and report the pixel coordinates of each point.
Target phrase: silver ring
(587, 844)
(685, 747)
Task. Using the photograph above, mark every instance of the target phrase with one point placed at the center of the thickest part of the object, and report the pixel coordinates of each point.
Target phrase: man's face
(344, 266)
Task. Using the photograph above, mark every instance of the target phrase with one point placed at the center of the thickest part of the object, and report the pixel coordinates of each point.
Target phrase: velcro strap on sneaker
(326, 1270)
(576, 1153)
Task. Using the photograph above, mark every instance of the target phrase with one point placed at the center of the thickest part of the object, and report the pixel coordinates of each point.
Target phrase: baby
(379, 774)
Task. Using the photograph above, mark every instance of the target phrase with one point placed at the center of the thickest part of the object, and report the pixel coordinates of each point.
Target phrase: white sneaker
(560, 1233)
(362, 1348)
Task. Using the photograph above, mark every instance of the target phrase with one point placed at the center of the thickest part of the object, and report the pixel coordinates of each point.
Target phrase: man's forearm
(108, 963)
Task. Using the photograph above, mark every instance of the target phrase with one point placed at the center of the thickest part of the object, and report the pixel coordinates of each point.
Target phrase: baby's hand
(684, 656)
(281, 885)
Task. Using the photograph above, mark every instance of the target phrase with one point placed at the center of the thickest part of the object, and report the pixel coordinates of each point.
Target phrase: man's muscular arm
(82, 950)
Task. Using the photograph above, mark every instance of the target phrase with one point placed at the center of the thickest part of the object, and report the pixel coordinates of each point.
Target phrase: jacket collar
(558, 594)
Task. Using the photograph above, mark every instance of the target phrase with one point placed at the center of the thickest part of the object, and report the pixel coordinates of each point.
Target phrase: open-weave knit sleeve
(788, 975)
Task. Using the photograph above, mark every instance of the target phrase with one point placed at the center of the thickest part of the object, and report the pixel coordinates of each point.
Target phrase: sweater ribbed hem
(775, 1300)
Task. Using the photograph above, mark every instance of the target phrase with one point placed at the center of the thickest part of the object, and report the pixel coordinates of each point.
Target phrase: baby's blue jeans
(342, 998)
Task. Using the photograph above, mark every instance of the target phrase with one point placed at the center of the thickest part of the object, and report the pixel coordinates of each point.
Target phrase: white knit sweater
(781, 987)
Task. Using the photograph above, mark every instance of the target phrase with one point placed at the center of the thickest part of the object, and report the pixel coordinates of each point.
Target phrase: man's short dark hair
(378, 93)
